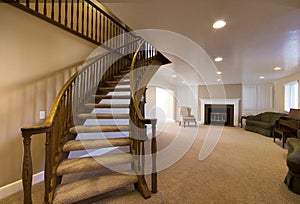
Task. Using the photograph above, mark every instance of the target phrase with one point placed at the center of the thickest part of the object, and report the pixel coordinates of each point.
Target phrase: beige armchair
(186, 116)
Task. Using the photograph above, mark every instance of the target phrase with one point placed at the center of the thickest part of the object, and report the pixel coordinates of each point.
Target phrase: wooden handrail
(140, 122)
(49, 121)
(132, 67)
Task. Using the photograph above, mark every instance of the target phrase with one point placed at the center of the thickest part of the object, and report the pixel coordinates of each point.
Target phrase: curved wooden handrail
(134, 101)
(48, 123)
(142, 121)
(136, 107)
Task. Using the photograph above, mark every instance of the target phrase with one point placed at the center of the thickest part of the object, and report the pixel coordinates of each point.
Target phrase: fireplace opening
(218, 114)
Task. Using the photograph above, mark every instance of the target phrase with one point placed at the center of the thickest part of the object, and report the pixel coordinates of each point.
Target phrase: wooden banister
(144, 54)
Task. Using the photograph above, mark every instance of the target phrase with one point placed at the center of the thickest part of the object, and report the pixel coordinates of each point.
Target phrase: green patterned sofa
(263, 123)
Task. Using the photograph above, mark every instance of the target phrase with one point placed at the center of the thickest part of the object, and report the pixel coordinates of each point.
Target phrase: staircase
(105, 126)
(96, 130)
(97, 125)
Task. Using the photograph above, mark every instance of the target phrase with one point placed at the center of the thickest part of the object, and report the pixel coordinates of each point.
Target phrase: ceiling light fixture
(261, 77)
(218, 79)
(183, 82)
(277, 68)
(174, 75)
(218, 59)
(219, 24)
(219, 73)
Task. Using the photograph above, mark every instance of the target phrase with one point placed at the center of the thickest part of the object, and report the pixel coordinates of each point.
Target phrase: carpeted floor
(244, 167)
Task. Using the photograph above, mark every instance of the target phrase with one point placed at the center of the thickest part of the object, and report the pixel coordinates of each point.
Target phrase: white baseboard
(18, 186)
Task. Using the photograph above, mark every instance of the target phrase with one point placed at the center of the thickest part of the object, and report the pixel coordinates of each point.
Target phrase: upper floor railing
(84, 18)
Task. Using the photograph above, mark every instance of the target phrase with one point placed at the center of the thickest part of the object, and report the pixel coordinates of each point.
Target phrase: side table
(281, 134)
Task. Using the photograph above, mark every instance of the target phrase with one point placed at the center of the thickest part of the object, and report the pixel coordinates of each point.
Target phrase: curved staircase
(97, 125)
(105, 126)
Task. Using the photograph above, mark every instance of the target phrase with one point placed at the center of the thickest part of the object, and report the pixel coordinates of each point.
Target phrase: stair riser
(112, 89)
(102, 116)
(95, 130)
(83, 145)
(118, 83)
(107, 105)
(100, 97)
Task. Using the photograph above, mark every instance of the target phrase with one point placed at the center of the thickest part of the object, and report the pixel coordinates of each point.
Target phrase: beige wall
(279, 91)
(220, 91)
(34, 59)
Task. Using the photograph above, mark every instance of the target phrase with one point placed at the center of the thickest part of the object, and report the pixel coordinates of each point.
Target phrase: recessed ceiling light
(218, 59)
(218, 79)
(277, 68)
(219, 73)
(261, 77)
(174, 75)
(219, 24)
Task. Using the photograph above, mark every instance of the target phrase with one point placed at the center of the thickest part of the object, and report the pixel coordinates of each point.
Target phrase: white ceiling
(259, 35)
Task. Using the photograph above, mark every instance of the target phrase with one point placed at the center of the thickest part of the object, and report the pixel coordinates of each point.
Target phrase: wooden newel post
(27, 168)
(153, 152)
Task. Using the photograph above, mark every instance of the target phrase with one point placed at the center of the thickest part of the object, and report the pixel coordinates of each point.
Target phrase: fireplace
(219, 114)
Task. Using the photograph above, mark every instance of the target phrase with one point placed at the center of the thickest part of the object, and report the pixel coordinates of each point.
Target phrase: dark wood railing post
(37, 5)
(45, 8)
(66, 13)
(52, 9)
(153, 153)
(27, 168)
(47, 175)
(59, 11)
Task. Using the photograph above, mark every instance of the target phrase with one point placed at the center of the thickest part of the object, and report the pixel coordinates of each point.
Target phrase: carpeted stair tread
(83, 189)
(102, 116)
(117, 89)
(92, 105)
(74, 145)
(76, 165)
(98, 128)
(111, 96)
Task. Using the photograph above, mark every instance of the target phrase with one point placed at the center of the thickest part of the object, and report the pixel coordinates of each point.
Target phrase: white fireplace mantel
(231, 101)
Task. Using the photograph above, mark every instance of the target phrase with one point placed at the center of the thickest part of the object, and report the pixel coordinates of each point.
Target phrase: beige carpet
(244, 167)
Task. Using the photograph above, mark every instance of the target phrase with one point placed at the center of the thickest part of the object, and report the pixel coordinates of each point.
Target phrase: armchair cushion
(186, 116)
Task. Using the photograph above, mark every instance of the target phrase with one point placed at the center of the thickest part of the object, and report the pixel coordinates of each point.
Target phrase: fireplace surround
(218, 114)
(223, 103)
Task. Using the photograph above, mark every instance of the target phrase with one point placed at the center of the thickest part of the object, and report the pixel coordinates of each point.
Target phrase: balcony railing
(84, 18)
